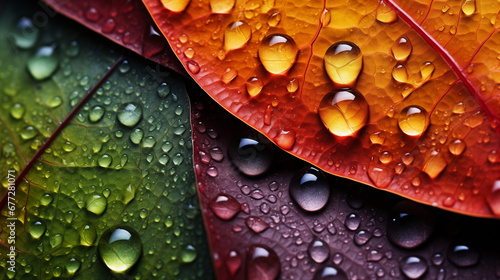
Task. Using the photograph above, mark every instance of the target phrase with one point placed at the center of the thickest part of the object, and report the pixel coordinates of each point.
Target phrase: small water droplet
(463, 255)
(108, 26)
(193, 67)
(25, 34)
(326, 17)
(92, 14)
(385, 157)
(44, 63)
(129, 114)
(456, 147)
(256, 224)
(221, 6)
(413, 120)
(493, 157)
(352, 221)
(278, 53)
(292, 86)
(494, 198)
(225, 206)
(88, 234)
(17, 111)
(343, 112)
(386, 14)
(120, 248)
(453, 30)
(251, 154)
(37, 229)
(189, 53)
(427, 70)
(136, 136)
(163, 90)
(409, 225)
(399, 73)
(434, 164)
(188, 254)
(413, 267)
(236, 35)
(407, 158)
(319, 251)
(343, 62)
(362, 237)
(274, 19)
(254, 86)
(285, 139)
(105, 160)
(330, 273)
(229, 74)
(469, 7)
(381, 176)
(401, 49)
(28, 132)
(96, 113)
(72, 266)
(233, 262)
(262, 263)
(175, 5)
(46, 199)
(310, 189)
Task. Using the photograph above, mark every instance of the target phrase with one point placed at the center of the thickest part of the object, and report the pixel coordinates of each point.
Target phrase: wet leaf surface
(419, 117)
(260, 226)
(115, 189)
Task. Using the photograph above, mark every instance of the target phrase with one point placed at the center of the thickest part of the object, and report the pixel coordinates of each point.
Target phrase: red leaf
(424, 120)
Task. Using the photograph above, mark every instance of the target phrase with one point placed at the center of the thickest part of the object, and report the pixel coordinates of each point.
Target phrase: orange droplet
(469, 7)
(494, 198)
(237, 35)
(401, 49)
(413, 120)
(427, 70)
(229, 74)
(343, 62)
(474, 120)
(175, 5)
(278, 53)
(254, 86)
(385, 14)
(221, 6)
(380, 176)
(292, 86)
(493, 157)
(274, 19)
(456, 147)
(407, 158)
(434, 165)
(399, 73)
(385, 157)
(326, 17)
(343, 112)
(193, 67)
(189, 53)
(285, 139)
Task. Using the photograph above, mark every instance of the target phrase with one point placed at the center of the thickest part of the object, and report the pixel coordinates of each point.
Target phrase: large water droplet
(456, 147)
(262, 263)
(17, 111)
(278, 53)
(469, 7)
(463, 255)
(72, 266)
(330, 273)
(413, 120)
(343, 111)
(319, 251)
(401, 49)
(221, 6)
(237, 35)
(385, 13)
(188, 254)
(36, 229)
(352, 221)
(494, 198)
(25, 34)
(105, 160)
(413, 267)
(225, 206)
(175, 5)
(409, 225)
(136, 136)
(96, 204)
(343, 62)
(129, 114)
(120, 247)
(310, 189)
(399, 73)
(254, 86)
(252, 155)
(44, 63)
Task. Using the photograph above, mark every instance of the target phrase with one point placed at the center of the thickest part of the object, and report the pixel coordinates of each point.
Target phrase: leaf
(124, 160)
(123, 21)
(358, 233)
(427, 131)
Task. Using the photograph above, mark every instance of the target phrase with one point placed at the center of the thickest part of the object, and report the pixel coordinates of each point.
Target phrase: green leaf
(124, 159)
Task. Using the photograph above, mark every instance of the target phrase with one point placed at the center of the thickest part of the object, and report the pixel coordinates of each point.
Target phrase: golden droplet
(229, 74)
(326, 17)
(407, 158)
(175, 5)
(292, 86)
(494, 198)
(385, 157)
(278, 53)
(254, 86)
(458, 108)
(343, 112)
(427, 70)
(401, 49)
(385, 14)
(493, 157)
(274, 19)
(469, 7)
(434, 165)
(413, 120)
(189, 53)
(474, 120)
(221, 6)
(343, 62)
(237, 35)
(456, 147)
(453, 30)
(399, 73)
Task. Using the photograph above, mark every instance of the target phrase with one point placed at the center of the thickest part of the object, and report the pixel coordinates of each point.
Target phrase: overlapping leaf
(453, 164)
(124, 159)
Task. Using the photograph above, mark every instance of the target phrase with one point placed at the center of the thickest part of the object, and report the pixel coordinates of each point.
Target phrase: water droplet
(456, 147)
(292, 86)
(262, 263)
(88, 235)
(46, 199)
(409, 225)
(28, 132)
(343, 112)
(310, 189)
(278, 53)
(193, 67)
(251, 154)
(37, 229)
(407, 158)
(256, 224)
(326, 17)
(469, 7)
(44, 63)
(352, 221)
(25, 34)
(385, 157)
(453, 30)
(413, 120)
(221, 6)
(188, 254)
(92, 14)
(434, 164)
(343, 62)
(381, 176)
(330, 273)
(129, 114)
(399, 73)
(136, 136)
(463, 255)
(274, 19)
(386, 14)
(124, 67)
(120, 247)
(108, 26)
(175, 5)
(72, 266)
(96, 204)
(225, 206)
(17, 111)
(189, 53)
(229, 74)
(163, 90)
(237, 35)
(285, 139)
(254, 86)
(427, 70)
(494, 198)
(362, 237)
(413, 267)
(233, 262)
(96, 113)
(319, 251)
(401, 49)
(105, 161)
(493, 157)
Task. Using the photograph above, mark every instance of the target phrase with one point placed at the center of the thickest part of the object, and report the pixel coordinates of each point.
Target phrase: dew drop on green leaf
(72, 266)
(124, 67)
(120, 247)
(68, 146)
(96, 113)
(55, 102)
(136, 136)
(88, 235)
(178, 158)
(96, 204)
(44, 63)
(166, 147)
(56, 240)
(36, 229)
(25, 34)
(17, 111)
(164, 159)
(188, 254)
(129, 114)
(73, 49)
(105, 160)
(46, 199)
(163, 90)
(28, 132)
(148, 142)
